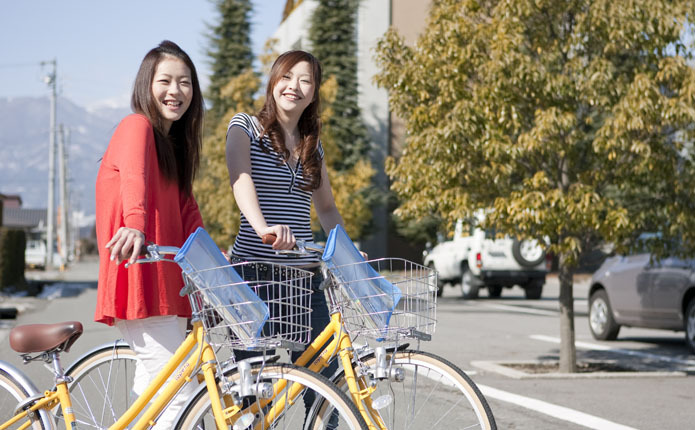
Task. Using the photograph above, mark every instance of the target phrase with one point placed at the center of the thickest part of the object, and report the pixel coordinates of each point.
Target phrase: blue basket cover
(237, 303)
(366, 288)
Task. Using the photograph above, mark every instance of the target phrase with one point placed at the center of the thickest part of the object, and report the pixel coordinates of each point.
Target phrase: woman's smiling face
(294, 91)
(172, 89)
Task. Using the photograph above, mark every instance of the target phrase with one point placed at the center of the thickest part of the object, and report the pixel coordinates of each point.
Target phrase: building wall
(408, 17)
(385, 131)
(293, 32)
(373, 20)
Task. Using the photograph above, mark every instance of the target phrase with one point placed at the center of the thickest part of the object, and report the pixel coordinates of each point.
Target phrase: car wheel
(690, 325)
(469, 286)
(494, 291)
(533, 290)
(528, 252)
(601, 322)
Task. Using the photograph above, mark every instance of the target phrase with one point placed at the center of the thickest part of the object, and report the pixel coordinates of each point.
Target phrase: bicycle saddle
(45, 337)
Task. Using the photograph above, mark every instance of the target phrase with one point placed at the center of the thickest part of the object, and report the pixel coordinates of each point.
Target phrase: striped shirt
(281, 198)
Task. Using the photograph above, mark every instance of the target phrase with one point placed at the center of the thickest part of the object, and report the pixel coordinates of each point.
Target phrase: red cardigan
(131, 192)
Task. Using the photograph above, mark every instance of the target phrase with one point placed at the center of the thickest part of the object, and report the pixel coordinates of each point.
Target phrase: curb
(500, 368)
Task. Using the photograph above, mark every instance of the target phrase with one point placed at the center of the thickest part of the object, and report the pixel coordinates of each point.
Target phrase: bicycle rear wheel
(12, 392)
(433, 394)
(101, 387)
(339, 411)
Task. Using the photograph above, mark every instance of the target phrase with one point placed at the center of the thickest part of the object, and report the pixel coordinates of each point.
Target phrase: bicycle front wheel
(101, 386)
(433, 394)
(12, 392)
(339, 413)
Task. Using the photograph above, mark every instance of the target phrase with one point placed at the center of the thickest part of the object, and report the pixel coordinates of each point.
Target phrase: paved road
(512, 328)
(473, 335)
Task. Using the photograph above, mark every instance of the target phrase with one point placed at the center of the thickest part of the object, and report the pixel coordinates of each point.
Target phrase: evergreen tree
(231, 89)
(230, 52)
(334, 42)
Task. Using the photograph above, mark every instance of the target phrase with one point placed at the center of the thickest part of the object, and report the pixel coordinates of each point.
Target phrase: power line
(16, 65)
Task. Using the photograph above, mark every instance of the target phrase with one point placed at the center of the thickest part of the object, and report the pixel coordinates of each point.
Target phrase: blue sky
(99, 44)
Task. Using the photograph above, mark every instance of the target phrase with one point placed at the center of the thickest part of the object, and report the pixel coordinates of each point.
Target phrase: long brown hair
(178, 152)
(309, 122)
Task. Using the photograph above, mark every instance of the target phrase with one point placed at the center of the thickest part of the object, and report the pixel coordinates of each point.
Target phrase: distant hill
(24, 138)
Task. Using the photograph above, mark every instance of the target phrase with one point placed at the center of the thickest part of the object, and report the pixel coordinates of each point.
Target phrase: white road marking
(596, 346)
(520, 309)
(559, 412)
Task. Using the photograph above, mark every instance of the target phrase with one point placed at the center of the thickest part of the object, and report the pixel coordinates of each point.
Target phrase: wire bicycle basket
(387, 299)
(232, 320)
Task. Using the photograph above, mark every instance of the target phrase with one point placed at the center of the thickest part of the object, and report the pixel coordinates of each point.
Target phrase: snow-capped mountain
(24, 142)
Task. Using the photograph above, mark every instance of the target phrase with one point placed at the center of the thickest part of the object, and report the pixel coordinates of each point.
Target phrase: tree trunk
(568, 352)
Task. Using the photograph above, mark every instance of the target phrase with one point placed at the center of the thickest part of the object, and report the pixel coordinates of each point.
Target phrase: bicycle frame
(202, 357)
(360, 392)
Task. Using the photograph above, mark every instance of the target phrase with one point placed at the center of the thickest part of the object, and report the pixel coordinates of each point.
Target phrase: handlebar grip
(269, 239)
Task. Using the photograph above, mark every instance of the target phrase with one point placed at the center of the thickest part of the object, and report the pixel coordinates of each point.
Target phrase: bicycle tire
(433, 394)
(198, 414)
(101, 387)
(12, 392)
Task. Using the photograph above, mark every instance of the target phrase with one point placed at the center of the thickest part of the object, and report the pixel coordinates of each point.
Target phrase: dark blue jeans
(319, 315)
(319, 320)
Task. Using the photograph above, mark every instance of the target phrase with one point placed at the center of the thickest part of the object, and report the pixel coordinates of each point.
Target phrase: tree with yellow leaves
(570, 121)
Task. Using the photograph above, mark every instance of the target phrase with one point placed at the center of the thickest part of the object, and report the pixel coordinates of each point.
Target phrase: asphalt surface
(480, 337)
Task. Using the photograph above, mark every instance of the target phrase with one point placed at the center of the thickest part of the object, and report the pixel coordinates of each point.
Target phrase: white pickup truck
(482, 261)
(35, 255)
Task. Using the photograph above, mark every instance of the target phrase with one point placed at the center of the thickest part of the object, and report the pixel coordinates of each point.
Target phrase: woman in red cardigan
(144, 193)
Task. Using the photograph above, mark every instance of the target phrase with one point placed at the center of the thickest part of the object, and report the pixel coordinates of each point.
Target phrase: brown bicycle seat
(45, 337)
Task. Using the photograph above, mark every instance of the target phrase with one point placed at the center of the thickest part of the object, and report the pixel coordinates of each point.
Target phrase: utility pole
(50, 80)
(62, 189)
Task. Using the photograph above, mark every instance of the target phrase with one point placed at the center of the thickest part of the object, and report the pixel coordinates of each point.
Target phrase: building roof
(290, 5)
(11, 200)
(23, 218)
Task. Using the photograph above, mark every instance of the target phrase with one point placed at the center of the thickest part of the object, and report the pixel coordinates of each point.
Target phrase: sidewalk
(73, 281)
(67, 296)
(85, 270)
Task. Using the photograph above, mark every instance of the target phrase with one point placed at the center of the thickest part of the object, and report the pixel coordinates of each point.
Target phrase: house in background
(386, 131)
(32, 221)
(11, 200)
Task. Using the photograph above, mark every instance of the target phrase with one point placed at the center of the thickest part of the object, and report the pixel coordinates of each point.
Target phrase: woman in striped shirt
(277, 169)
(276, 166)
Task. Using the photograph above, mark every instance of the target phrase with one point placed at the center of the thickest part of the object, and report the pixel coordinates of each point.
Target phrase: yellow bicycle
(251, 394)
(394, 387)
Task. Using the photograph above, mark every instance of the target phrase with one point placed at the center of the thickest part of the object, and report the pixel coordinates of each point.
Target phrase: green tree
(333, 37)
(567, 120)
(230, 52)
(212, 188)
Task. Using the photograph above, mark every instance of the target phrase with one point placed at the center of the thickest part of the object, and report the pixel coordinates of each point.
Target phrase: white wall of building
(293, 32)
(373, 20)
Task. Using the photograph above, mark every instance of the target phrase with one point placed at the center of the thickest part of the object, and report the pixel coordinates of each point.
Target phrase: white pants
(155, 340)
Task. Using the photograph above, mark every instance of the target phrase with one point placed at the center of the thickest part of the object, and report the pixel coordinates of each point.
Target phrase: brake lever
(301, 247)
(151, 255)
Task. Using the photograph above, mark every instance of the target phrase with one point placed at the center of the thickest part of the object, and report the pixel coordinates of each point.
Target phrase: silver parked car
(638, 291)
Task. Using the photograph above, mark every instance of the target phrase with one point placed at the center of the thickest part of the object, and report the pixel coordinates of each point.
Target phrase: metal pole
(51, 81)
(63, 233)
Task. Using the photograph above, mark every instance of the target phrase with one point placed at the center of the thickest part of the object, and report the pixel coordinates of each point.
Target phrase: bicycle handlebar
(302, 247)
(153, 253)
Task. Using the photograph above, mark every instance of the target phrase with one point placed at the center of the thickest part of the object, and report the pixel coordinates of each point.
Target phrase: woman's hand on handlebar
(284, 238)
(126, 244)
